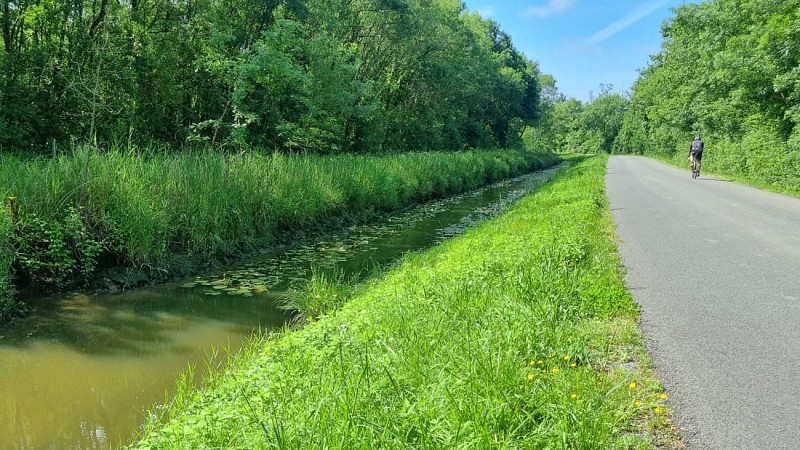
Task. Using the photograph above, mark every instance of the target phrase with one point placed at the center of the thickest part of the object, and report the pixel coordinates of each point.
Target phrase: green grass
(788, 185)
(518, 334)
(80, 211)
(7, 305)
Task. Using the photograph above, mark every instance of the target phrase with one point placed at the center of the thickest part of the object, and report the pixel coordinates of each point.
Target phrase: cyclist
(696, 152)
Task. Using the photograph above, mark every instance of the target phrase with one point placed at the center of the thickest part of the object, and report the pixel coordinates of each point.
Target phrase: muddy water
(84, 369)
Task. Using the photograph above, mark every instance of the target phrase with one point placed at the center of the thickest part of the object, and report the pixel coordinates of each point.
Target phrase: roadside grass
(518, 334)
(138, 207)
(711, 168)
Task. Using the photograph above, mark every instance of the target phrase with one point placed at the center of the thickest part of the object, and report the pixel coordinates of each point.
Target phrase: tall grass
(7, 305)
(518, 334)
(142, 206)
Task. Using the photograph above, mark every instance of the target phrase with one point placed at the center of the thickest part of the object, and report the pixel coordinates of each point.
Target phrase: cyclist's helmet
(697, 138)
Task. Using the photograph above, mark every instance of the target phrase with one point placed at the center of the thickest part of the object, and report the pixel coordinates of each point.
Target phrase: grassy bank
(87, 210)
(714, 165)
(519, 334)
(7, 304)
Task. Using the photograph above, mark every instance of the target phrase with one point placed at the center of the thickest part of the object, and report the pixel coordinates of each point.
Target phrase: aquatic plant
(143, 205)
(517, 334)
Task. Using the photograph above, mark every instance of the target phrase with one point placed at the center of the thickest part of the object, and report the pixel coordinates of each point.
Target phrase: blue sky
(583, 43)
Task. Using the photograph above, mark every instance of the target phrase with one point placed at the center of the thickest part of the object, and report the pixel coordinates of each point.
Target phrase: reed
(140, 206)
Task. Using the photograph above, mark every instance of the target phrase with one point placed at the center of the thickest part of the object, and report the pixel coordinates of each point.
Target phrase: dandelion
(573, 365)
(573, 396)
(663, 396)
(632, 385)
(659, 410)
(556, 370)
(530, 377)
(532, 363)
(637, 403)
(540, 362)
(566, 357)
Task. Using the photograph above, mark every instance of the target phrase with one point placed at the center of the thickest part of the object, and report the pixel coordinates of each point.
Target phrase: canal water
(82, 372)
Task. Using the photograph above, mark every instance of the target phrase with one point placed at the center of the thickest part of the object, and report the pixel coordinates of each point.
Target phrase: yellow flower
(632, 385)
(663, 396)
(566, 357)
(637, 403)
(532, 363)
(573, 396)
(659, 410)
(573, 365)
(530, 377)
(540, 362)
(556, 369)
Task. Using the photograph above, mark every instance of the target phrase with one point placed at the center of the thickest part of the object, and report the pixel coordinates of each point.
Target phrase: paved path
(722, 319)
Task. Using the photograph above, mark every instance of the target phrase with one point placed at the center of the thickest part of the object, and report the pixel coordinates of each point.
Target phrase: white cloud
(552, 7)
(486, 12)
(625, 22)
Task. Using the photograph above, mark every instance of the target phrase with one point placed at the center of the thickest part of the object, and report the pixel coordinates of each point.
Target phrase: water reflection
(81, 372)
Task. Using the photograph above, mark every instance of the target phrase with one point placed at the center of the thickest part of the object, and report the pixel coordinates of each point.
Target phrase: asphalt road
(715, 267)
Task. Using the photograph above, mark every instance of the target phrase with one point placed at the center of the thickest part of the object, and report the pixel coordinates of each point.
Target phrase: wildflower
(566, 357)
(540, 362)
(556, 369)
(632, 385)
(573, 365)
(663, 396)
(530, 377)
(573, 396)
(659, 410)
(532, 363)
(637, 403)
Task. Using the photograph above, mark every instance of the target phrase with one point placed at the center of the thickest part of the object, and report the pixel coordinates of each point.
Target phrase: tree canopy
(291, 75)
(730, 71)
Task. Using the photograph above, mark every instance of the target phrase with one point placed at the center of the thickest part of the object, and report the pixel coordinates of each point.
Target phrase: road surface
(715, 267)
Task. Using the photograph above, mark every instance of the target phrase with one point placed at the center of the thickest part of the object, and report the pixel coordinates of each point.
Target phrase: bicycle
(695, 170)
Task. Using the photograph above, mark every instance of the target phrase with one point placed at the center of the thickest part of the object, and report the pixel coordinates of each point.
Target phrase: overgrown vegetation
(323, 292)
(7, 304)
(89, 209)
(572, 126)
(728, 70)
(290, 75)
(518, 334)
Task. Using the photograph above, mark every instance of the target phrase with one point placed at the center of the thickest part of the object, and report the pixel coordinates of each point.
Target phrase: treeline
(730, 71)
(572, 126)
(292, 75)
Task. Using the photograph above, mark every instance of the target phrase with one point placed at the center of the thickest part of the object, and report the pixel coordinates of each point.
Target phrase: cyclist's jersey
(696, 147)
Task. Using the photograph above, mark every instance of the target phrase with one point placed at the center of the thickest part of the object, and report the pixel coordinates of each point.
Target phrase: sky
(583, 43)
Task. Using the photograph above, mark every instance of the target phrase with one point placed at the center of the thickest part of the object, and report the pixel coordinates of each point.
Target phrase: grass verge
(711, 169)
(87, 210)
(518, 334)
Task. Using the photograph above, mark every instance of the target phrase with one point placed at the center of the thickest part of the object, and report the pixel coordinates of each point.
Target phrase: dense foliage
(513, 335)
(292, 75)
(76, 213)
(572, 126)
(729, 70)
